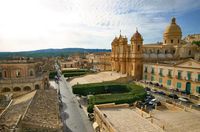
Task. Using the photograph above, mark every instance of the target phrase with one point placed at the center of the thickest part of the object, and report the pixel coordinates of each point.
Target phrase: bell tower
(136, 56)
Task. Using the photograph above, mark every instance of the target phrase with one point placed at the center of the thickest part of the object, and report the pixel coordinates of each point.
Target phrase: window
(0, 74)
(173, 51)
(145, 70)
(199, 77)
(5, 74)
(166, 51)
(179, 74)
(152, 78)
(17, 73)
(160, 80)
(189, 53)
(158, 51)
(169, 73)
(138, 47)
(168, 82)
(152, 70)
(172, 41)
(178, 40)
(161, 72)
(178, 85)
(165, 41)
(31, 73)
(145, 77)
(198, 89)
(188, 75)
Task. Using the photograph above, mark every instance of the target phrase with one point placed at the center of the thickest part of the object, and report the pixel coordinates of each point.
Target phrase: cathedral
(129, 58)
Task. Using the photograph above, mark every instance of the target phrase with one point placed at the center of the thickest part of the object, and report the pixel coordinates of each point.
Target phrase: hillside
(49, 52)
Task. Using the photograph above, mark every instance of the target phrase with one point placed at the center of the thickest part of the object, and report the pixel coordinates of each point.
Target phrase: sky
(41, 24)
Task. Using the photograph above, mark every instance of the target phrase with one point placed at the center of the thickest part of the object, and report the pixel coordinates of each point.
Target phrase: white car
(184, 99)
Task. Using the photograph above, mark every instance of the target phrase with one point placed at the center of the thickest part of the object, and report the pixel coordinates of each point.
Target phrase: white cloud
(36, 24)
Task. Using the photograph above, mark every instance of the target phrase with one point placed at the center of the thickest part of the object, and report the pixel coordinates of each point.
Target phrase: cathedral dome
(136, 36)
(173, 29)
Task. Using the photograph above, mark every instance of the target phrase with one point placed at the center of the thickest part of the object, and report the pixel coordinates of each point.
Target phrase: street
(74, 118)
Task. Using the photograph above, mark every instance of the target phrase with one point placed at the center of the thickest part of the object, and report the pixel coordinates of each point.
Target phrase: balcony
(161, 74)
(179, 77)
(169, 75)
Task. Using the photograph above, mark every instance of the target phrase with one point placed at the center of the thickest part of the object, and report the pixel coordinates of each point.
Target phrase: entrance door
(188, 87)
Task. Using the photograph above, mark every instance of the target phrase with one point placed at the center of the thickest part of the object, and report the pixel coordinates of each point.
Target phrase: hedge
(77, 70)
(52, 75)
(74, 74)
(100, 88)
(110, 92)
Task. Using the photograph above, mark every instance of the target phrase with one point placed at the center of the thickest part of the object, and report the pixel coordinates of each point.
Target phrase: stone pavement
(95, 78)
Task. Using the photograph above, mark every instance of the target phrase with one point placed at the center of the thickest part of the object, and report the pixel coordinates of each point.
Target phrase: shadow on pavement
(64, 106)
(65, 116)
(66, 129)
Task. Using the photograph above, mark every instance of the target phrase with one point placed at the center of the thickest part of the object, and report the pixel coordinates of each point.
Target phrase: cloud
(35, 24)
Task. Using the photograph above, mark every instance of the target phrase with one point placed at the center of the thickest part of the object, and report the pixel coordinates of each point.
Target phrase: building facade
(133, 58)
(22, 75)
(100, 61)
(128, 59)
(183, 75)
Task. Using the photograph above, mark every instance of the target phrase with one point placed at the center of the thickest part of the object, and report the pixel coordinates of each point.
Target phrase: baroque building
(132, 59)
(22, 75)
(125, 58)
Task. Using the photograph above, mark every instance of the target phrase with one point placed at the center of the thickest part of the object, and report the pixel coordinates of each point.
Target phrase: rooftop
(128, 120)
(38, 109)
(178, 120)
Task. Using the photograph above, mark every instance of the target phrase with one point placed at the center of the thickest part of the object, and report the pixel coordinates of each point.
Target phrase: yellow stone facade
(183, 75)
(131, 58)
(128, 59)
(22, 75)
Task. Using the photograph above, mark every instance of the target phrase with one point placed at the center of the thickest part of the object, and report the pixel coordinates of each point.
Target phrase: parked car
(156, 84)
(155, 102)
(147, 89)
(183, 99)
(174, 96)
(154, 90)
(161, 93)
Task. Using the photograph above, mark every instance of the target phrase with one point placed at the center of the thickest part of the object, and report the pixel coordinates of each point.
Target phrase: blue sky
(40, 24)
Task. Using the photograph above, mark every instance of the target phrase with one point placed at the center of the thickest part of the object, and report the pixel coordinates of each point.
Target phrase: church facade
(129, 58)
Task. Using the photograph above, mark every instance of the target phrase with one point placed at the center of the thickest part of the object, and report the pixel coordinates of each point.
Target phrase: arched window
(6, 90)
(27, 88)
(16, 89)
(37, 86)
(1, 74)
(18, 73)
(189, 53)
(31, 72)
(138, 47)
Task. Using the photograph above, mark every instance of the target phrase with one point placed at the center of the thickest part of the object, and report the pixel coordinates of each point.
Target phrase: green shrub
(100, 88)
(90, 108)
(52, 75)
(74, 74)
(77, 70)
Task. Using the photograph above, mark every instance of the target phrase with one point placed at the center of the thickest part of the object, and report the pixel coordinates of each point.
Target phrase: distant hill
(49, 52)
